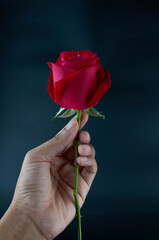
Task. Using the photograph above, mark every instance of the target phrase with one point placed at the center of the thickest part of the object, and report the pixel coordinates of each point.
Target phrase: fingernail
(88, 149)
(84, 159)
(70, 124)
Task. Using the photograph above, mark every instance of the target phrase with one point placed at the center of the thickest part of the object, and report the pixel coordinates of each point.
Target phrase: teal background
(124, 199)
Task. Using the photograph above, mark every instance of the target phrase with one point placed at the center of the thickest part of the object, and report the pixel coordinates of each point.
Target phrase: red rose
(77, 80)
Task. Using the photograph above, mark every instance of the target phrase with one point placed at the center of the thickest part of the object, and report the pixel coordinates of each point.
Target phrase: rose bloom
(77, 80)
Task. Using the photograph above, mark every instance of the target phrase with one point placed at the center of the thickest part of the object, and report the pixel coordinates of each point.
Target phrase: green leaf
(57, 114)
(68, 113)
(93, 112)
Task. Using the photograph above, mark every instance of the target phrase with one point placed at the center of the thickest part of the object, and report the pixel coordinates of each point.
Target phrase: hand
(45, 187)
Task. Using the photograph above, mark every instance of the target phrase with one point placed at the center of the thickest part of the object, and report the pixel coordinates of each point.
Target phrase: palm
(54, 180)
(62, 176)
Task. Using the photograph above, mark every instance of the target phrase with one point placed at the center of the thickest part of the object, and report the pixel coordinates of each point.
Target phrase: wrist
(16, 225)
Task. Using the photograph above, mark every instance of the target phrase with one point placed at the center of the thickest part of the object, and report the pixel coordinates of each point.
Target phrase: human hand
(45, 187)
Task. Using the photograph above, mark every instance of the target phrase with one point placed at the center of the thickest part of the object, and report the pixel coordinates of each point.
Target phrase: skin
(43, 203)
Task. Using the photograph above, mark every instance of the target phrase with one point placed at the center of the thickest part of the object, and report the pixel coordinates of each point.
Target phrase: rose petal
(75, 90)
(103, 88)
(66, 54)
(50, 65)
(87, 64)
(58, 62)
(77, 61)
(60, 72)
(100, 73)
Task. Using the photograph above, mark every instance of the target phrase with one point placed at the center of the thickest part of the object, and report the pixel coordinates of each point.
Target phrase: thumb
(56, 145)
(65, 137)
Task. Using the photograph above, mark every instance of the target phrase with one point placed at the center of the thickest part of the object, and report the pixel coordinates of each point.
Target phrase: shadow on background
(124, 200)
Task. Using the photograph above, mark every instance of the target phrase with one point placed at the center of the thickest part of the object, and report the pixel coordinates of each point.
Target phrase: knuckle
(29, 154)
(92, 150)
(84, 136)
(92, 166)
(86, 149)
(95, 165)
(35, 155)
(56, 138)
(81, 148)
(89, 137)
(58, 141)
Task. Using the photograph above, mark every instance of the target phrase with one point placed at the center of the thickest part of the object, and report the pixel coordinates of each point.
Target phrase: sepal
(62, 114)
(57, 114)
(68, 113)
(93, 112)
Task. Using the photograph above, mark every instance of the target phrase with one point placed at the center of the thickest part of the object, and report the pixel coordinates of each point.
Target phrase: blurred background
(124, 200)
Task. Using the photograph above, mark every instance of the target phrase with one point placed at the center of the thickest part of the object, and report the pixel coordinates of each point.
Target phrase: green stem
(79, 112)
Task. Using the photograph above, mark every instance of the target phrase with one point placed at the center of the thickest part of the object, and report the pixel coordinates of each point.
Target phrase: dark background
(124, 200)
